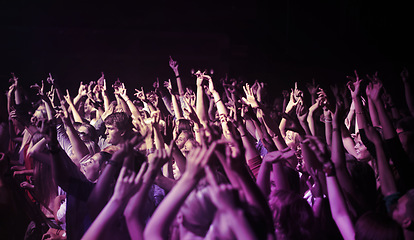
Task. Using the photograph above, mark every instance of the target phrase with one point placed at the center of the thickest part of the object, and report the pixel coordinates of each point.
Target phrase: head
(292, 215)
(118, 128)
(87, 132)
(38, 116)
(196, 214)
(361, 150)
(183, 138)
(189, 145)
(376, 226)
(403, 213)
(92, 165)
(181, 125)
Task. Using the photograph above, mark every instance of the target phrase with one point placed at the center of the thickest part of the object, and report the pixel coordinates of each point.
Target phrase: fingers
(210, 177)
(142, 171)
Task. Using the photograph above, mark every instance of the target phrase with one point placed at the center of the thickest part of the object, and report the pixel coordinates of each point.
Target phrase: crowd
(223, 159)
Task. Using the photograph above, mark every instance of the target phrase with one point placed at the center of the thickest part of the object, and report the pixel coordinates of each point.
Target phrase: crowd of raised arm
(227, 160)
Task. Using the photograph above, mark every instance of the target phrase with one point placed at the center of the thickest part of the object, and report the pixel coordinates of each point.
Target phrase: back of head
(376, 226)
(292, 215)
(198, 212)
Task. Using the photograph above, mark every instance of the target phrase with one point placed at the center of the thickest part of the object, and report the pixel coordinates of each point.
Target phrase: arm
(387, 180)
(409, 97)
(126, 185)
(134, 211)
(158, 226)
(337, 201)
(174, 66)
(223, 197)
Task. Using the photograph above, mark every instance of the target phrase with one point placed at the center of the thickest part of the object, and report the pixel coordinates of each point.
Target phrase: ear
(407, 222)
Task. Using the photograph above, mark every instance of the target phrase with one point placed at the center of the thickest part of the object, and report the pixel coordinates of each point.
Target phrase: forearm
(79, 148)
(109, 214)
(121, 102)
(339, 209)
(157, 227)
(101, 192)
(409, 97)
(201, 106)
(238, 224)
(387, 181)
(360, 113)
(221, 108)
(373, 114)
(328, 128)
(338, 158)
(263, 178)
(386, 123)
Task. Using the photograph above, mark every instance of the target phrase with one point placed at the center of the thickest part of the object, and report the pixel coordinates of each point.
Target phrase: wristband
(178, 76)
(218, 101)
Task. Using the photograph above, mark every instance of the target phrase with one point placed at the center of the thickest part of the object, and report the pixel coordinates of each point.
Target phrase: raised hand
(354, 85)
(374, 90)
(276, 156)
(174, 65)
(224, 196)
(140, 94)
(301, 112)
(198, 158)
(39, 89)
(128, 182)
(168, 85)
(312, 87)
(83, 90)
(319, 148)
(249, 99)
(50, 79)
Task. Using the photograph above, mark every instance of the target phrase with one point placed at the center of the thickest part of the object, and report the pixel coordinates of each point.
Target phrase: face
(84, 133)
(38, 117)
(182, 139)
(361, 151)
(91, 168)
(187, 147)
(113, 135)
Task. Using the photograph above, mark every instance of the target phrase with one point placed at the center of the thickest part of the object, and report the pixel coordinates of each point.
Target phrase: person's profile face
(113, 135)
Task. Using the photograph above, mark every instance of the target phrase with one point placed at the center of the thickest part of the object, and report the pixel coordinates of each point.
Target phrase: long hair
(292, 215)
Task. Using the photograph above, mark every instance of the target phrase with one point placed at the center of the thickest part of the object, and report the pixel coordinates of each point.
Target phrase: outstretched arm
(128, 182)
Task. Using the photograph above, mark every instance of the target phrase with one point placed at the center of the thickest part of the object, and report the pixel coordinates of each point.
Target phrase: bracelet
(128, 100)
(218, 101)
(244, 135)
(359, 112)
(335, 129)
(178, 76)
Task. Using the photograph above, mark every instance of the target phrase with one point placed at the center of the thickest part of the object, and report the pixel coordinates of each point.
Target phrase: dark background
(277, 42)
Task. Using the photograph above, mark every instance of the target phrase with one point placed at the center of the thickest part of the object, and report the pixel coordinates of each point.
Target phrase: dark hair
(120, 120)
(376, 226)
(183, 124)
(292, 215)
